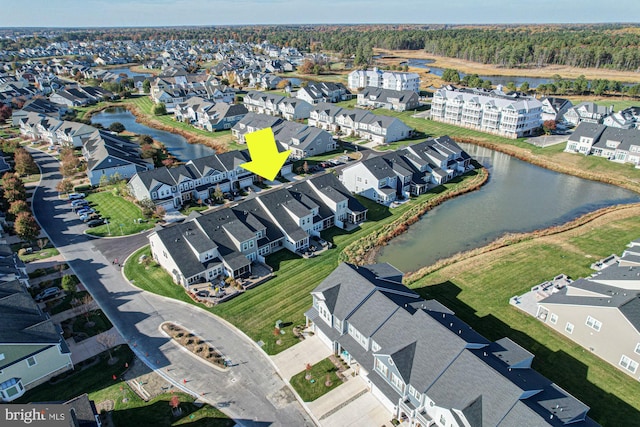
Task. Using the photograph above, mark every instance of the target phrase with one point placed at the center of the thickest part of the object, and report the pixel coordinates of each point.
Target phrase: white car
(48, 294)
(74, 196)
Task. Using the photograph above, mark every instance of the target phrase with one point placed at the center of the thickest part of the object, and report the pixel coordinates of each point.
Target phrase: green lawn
(42, 254)
(311, 389)
(100, 324)
(98, 382)
(285, 297)
(479, 293)
(121, 214)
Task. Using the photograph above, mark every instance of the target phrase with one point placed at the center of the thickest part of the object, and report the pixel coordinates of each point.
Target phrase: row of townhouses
(425, 365)
(198, 179)
(32, 349)
(226, 241)
(600, 312)
(78, 96)
(410, 171)
(399, 100)
(395, 80)
(616, 144)
(277, 105)
(209, 115)
(105, 153)
(315, 92)
(512, 116)
(302, 140)
(359, 123)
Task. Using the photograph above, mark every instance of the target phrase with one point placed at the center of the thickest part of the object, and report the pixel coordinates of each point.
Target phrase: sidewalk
(45, 263)
(90, 347)
(72, 312)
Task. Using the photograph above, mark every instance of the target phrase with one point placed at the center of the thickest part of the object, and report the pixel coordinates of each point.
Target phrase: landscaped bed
(316, 380)
(195, 344)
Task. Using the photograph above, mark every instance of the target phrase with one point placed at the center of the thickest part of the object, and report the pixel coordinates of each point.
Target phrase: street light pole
(108, 228)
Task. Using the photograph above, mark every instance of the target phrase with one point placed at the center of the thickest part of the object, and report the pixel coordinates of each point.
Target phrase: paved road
(250, 392)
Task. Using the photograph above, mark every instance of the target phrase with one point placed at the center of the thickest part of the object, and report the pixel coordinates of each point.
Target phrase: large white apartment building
(384, 79)
(512, 116)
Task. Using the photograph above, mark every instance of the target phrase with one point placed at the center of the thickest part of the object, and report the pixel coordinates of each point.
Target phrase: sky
(110, 13)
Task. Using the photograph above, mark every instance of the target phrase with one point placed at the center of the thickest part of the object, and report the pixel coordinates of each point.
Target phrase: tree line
(613, 46)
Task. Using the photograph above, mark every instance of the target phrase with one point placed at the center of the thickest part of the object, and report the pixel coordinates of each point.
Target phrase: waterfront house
(395, 80)
(389, 99)
(212, 116)
(589, 112)
(425, 365)
(226, 242)
(613, 143)
(554, 108)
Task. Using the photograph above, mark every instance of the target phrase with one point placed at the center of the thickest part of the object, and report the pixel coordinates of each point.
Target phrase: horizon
(96, 14)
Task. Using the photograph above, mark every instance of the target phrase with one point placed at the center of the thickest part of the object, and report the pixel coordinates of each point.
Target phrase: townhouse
(226, 241)
(32, 349)
(511, 116)
(399, 100)
(363, 124)
(212, 116)
(625, 119)
(407, 172)
(395, 80)
(302, 140)
(589, 112)
(554, 108)
(174, 86)
(599, 312)
(315, 92)
(38, 126)
(425, 365)
(616, 144)
(198, 179)
(108, 155)
(76, 96)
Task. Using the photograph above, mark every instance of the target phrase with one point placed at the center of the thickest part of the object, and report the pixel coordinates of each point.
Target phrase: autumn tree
(5, 112)
(65, 185)
(548, 126)
(217, 193)
(24, 163)
(159, 212)
(18, 206)
(306, 67)
(13, 188)
(305, 167)
(26, 226)
(174, 402)
(283, 84)
(69, 162)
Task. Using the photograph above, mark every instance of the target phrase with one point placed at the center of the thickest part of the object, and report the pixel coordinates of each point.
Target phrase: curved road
(250, 392)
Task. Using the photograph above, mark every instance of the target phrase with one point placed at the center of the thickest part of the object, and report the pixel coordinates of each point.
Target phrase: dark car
(95, 222)
(48, 294)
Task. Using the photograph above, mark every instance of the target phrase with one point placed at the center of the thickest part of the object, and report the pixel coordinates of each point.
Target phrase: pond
(176, 144)
(519, 197)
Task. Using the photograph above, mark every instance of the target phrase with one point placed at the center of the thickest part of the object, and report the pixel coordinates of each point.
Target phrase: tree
(5, 112)
(159, 212)
(283, 84)
(13, 188)
(174, 402)
(18, 206)
(511, 87)
(116, 127)
(548, 126)
(24, 163)
(316, 69)
(146, 86)
(65, 185)
(84, 307)
(42, 243)
(308, 368)
(524, 87)
(107, 340)
(69, 283)
(306, 67)
(451, 75)
(160, 109)
(26, 226)
(147, 206)
(144, 139)
(305, 167)
(217, 193)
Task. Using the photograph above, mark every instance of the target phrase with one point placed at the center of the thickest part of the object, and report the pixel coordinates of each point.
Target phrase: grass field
(285, 297)
(479, 289)
(121, 214)
(310, 391)
(97, 381)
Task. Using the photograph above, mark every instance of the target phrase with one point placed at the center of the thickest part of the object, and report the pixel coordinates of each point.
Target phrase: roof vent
(451, 325)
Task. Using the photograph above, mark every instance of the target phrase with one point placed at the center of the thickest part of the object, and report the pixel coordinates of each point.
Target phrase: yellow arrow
(266, 161)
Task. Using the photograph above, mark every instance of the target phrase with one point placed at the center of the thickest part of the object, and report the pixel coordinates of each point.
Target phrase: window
(554, 318)
(397, 382)
(569, 327)
(382, 368)
(413, 392)
(593, 323)
(376, 347)
(2, 356)
(31, 361)
(628, 364)
(637, 350)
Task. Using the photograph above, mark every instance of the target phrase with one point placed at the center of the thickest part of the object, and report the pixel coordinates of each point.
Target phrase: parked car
(48, 293)
(75, 196)
(89, 217)
(95, 222)
(85, 211)
(78, 203)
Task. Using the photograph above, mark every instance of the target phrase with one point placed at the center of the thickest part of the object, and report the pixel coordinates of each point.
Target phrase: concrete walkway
(90, 347)
(327, 403)
(44, 263)
(294, 359)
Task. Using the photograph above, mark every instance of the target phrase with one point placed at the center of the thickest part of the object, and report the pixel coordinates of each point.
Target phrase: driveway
(294, 359)
(250, 391)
